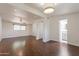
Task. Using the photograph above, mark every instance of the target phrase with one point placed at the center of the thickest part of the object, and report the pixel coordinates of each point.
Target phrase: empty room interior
(39, 29)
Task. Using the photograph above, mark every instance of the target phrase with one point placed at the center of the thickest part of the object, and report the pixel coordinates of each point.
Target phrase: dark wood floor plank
(29, 46)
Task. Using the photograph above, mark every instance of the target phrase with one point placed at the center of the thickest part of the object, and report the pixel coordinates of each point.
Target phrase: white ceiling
(60, 8)
(12, 14)
(33, 11)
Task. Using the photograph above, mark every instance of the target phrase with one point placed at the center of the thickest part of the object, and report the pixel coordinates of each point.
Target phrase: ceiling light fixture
(48, 10)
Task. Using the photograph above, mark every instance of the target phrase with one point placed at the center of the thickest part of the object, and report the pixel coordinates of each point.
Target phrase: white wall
(73, 28)
(54, 29)
(0, 29)
(51, 28)
(7, 30)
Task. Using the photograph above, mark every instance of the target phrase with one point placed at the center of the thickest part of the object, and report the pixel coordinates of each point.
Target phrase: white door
(63, 30)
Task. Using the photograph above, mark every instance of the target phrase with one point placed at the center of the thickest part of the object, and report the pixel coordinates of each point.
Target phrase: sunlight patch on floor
(63, 50)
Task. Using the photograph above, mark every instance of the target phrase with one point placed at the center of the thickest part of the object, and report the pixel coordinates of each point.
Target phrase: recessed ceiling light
(48, 10)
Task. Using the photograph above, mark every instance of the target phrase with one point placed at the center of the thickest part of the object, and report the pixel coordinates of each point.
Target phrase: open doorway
(63, 30)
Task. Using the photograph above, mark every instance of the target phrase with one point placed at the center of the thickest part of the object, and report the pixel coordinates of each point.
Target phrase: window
(23, 27)
(19, 27)
(16, 27)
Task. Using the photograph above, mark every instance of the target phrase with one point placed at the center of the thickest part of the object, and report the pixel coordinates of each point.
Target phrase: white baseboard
(73, 44)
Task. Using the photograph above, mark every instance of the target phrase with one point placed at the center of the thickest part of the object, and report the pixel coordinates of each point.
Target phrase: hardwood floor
(29, 46)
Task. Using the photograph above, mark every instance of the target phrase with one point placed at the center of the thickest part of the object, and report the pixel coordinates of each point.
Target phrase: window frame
(20, 27)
